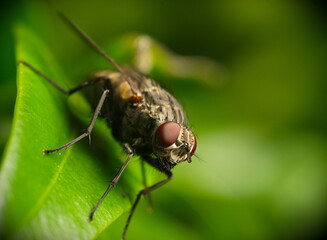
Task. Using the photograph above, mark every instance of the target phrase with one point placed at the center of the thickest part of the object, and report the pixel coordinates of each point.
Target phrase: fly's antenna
(91, 42)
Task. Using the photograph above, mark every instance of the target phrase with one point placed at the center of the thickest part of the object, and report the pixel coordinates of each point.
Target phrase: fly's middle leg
(91, 82)
(113, 183)
(89, 129)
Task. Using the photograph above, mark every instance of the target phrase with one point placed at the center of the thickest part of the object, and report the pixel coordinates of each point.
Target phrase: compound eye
(194, 147)
(167, 134)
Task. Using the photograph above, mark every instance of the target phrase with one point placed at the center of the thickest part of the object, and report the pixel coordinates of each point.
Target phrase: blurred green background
(262, 133)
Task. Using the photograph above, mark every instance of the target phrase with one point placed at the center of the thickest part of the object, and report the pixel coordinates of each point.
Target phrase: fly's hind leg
(60, 88)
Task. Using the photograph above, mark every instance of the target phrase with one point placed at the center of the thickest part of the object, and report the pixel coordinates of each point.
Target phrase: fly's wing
(134, 77)
(137, 80)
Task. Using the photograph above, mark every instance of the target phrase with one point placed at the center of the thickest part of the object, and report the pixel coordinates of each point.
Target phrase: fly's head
(174, 143)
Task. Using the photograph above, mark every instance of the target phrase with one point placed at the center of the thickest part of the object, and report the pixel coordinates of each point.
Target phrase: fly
(146, 119)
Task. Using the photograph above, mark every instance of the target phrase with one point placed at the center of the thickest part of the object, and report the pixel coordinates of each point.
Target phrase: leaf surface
(51, 196)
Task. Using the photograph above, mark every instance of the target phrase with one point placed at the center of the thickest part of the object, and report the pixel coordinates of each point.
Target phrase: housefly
(145, 118)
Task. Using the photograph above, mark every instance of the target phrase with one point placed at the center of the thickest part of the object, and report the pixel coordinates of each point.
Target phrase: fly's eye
(167, 133)
(194, 147)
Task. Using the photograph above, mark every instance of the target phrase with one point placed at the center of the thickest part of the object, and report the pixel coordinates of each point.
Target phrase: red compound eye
(167, 133)
(194, 147)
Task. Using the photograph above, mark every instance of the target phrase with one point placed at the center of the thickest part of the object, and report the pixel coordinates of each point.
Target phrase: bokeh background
(261, 172)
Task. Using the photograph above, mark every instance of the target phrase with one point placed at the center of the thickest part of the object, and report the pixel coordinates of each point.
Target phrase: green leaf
(52, 196)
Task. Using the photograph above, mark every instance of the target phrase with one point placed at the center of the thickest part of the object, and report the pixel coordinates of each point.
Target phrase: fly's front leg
(89, 128)
(145, 183)
(145, 191)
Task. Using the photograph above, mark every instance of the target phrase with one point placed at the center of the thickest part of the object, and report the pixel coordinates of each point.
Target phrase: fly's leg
(56, 85)
(89, 128)
(69, 92)
(115, 180)
(144, 192)
(145, 183)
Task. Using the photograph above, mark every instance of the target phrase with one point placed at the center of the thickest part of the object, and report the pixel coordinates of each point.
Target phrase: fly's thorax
(174, 142)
